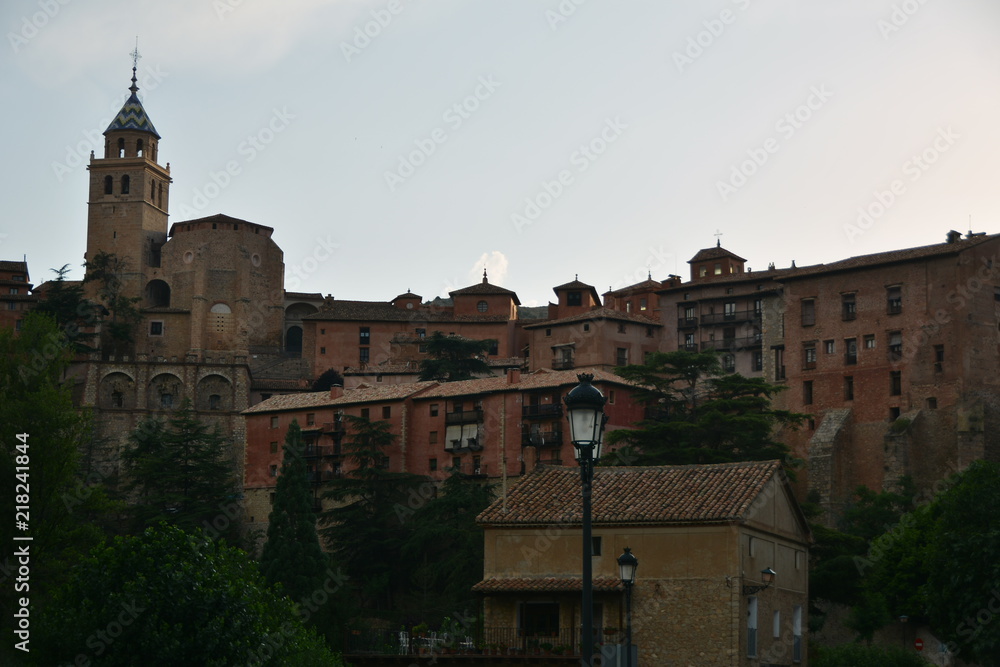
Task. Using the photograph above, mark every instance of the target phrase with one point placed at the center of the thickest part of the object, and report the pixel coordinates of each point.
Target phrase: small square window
(156, 328)
(595, 546)
(829, 347)
(434, 409)
(274, 447)
(869, 342)
(273, 470)
(310, 418)
(364, 413)
(432, 438)
(274, 422)
(386, 411)
(586, 327)
(322, 350)
(432, 464)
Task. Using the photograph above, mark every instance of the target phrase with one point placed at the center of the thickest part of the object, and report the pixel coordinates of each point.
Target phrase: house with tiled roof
(16, 297)
(495, 428)
(702, 535)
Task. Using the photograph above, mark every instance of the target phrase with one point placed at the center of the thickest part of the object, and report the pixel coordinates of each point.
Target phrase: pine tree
(453, 358)
(178, 472)
(292, 555)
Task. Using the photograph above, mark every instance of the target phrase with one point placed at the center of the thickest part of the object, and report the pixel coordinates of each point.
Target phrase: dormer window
(574, 298)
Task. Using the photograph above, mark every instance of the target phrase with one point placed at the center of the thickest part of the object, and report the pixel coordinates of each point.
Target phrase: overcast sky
(406, 144)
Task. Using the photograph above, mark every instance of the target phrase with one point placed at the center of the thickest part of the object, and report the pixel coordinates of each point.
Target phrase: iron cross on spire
(718, 241)
(135, 54)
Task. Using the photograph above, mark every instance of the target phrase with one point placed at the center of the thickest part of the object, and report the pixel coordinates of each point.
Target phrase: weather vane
(135, 54)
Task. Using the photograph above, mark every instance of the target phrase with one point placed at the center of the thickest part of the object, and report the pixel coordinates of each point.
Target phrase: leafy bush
(865, 655)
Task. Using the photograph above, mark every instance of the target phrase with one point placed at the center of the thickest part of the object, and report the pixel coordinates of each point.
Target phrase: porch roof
(545, 585)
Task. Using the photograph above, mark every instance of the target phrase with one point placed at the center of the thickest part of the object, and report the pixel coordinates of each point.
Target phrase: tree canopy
(179, 472)
(167, 597)
(698, 414)
(453, 358)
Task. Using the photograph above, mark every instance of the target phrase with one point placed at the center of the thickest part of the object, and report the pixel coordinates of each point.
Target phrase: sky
(404, 145)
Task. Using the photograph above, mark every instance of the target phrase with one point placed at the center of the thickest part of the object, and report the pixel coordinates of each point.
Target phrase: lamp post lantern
(627, 565)
(766, 576)
(585, 405)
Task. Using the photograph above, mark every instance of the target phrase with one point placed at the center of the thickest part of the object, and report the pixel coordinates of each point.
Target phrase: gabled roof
(132, 116)
(13, 265)
(717, 252)
(648, 285)
(601, 313)
(657, 495)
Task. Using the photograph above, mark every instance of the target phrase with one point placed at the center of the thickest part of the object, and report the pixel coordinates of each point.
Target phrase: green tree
(963, 564)
(452, 358)
(447, 546)
(121, 314)
(328, 379)
(697, 414)
(292, 555)
(178, 471)
(366, 530)
(862, 655)
(74, 314)
(167, 597)
(40, 436)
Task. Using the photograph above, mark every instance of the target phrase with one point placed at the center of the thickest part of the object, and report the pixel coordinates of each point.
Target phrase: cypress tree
(292, 555)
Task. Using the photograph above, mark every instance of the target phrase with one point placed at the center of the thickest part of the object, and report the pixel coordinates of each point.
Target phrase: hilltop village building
(893, 355)
(709, 531)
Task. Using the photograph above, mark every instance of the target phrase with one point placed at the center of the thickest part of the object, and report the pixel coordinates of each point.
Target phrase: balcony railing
(562, 364)
(741, 343)
(318, 451)
(551, 438)
(733, 316)
(687, 322)
(476, 641)
(464, 416)
(541, 411)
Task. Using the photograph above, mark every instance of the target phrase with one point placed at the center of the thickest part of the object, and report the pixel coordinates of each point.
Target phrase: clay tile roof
(601, 313)
(316, 296)
(485, 289)
(321, 399)
(545, 584)
(11, 265)
(635, 495)
(892, 256)
(542, 379)
(648, 285)
(713, 253)
(407, 295)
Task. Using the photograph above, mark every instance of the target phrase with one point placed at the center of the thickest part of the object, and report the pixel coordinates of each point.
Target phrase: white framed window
(776, 624)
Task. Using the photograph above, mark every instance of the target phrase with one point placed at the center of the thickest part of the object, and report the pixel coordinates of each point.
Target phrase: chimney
(336, 391)
(513, 375)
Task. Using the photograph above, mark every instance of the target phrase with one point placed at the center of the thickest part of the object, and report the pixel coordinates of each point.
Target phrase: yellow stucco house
(703, 535)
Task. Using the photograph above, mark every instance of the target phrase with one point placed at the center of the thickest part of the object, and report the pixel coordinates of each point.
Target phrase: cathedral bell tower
(129, 191)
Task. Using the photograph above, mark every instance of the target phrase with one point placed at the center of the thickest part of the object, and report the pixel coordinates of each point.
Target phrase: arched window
(293, 341)
(160, 203)
(219, 319)
(157, 294)
(108, 182)
(121, 148)
(152, 189)
(125, 184)
(138, 147)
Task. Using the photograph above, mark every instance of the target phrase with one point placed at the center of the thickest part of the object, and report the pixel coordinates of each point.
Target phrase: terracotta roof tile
(545, 584)
(713, 253)
(598, 314)
(321, 399)
(485, 289)
(635, 495)
(540, 379)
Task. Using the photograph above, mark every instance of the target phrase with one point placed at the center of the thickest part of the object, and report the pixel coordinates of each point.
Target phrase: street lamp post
(585, 405)
(627, 564)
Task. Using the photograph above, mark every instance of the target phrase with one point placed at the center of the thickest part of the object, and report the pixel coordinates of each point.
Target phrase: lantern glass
(627, 565)
(767, 576)
(585, 405)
